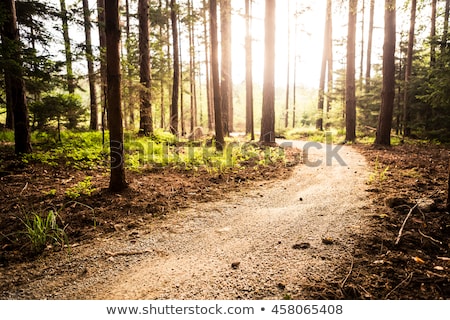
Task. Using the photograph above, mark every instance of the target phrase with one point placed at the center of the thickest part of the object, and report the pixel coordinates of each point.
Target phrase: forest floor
(290, 230)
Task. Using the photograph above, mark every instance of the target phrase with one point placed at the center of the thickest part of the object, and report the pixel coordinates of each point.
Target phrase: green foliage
(82, 150)
(82, 188)
(379, 174)
(432, 112)
(57, 107)
(314, 135)
(51, 193)
(44, 230)
(6, 136)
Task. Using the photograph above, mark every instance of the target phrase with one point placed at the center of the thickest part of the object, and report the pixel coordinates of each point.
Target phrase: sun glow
(303, 50)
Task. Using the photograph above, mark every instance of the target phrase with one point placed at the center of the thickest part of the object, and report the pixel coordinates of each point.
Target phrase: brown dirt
(276, 232)
(418, 266)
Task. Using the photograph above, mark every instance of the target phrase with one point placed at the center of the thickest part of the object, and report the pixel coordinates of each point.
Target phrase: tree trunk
(93, 125)
(350, 95)
(102, 43)
(67, 48)
(294, 91)
(176, 70)
(207, 68)
(445, 31)
(249, 122)
(383, 136)
(145, 107)
(220, 142)
(117, 181)
(361, 62)
(288, 67)
(162, 82)
(14, 79)
(408, 71)
(192, 84)
(180, 50)
(433, 34)
(330, 58)
(226, 77)
(369, 45)
(268, 107)
(323, 69)
(129, 105)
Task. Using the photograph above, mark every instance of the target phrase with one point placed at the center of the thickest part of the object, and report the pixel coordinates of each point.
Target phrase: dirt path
(257, 231)
(272, 242)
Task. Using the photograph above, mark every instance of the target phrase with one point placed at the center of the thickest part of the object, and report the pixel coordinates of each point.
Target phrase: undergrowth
(43, 230)
(84, 151)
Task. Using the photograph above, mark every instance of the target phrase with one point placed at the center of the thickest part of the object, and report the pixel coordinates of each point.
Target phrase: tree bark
(145, 107)
(102, 44)
(93, 125)
(249, 122)
(226, 67)
(14, 78)
(67, 47)
(268, 107)
(361, 62)
(330, 59)
(180, 50)
(288, 67)
(129, 105)
(323, 69)
(220, 142)
(192, 67)
(383, 136)
(117, 181)
(408, 71)
(445, 31)
(350, 95)
(433, 34)
(207, 68)
(176, 70)
(162, 80)
(369, 46)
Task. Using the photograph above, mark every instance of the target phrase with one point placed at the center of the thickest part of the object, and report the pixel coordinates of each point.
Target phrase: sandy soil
(269, 243)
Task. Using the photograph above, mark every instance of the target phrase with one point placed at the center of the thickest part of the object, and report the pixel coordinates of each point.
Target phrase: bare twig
(24, 188)
(428, 237)
(443, 258)
(348, 275)
(131, 253)
(400, 233)
(408, 278)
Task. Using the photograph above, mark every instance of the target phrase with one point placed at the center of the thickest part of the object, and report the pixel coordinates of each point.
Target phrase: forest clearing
(194, 149)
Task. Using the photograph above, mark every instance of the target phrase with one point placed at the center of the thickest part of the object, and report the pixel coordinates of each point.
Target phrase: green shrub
(82, 188)
(6, 136)
(43, 231)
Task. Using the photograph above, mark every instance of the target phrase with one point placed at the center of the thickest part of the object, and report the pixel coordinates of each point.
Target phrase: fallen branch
(348, 275)
(127, 253)
(428, 237)
(24, 188)
(408, 278)
(443, 258)
(400, 233)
